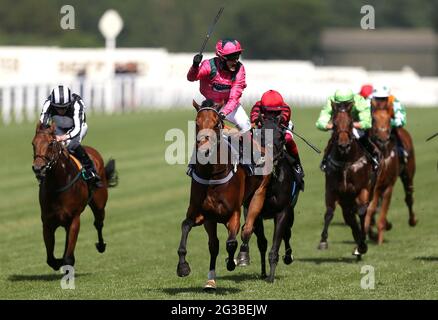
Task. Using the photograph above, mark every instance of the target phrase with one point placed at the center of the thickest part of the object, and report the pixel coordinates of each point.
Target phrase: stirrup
(323, 165)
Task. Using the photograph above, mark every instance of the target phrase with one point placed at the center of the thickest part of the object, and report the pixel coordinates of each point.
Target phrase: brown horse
(63, 194)
(349, 179)
(218, 191)
(407, 172)
(380, 133)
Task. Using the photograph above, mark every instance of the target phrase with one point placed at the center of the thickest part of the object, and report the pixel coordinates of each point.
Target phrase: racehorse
(281, 197)
(217, 192)
(63, 194)
(381, 135)
(349, 179)
(407, 172)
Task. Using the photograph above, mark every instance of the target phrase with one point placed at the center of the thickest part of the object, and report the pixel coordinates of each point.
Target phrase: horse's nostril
(36, 169)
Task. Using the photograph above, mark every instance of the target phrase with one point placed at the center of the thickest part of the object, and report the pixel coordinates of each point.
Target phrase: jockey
(366, 91)
(361, 113)
(222, 79)
(272, 103)
(382, 95)
(67, 111)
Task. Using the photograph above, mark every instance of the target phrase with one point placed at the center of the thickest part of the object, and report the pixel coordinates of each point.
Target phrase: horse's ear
(39, 125)
(333, 105)
(196, 105)
(219, 105)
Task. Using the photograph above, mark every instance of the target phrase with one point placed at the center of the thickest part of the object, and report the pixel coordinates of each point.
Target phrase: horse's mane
(208, 103)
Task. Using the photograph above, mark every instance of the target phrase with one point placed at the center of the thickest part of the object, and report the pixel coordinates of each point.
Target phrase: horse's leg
(370, 215)
(243, 258)
(280, 222)
(233, 226)
(213, 247)
(381, 224)
(262, 243)
(99, 217)
(183, 268)
(73, 231)
(49, 241)
(408, 172)
(363, 203)
(330, 210)
(407, 177)
(348, 212)
(288, 257)
(254, 210)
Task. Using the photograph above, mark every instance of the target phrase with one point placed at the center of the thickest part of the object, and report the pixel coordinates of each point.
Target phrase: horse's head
(343, 125)
(46, 150)
(273, 123)
(208, 126)
(382, 113)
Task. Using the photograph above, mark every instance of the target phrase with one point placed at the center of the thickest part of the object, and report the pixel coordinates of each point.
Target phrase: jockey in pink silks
(222, 80)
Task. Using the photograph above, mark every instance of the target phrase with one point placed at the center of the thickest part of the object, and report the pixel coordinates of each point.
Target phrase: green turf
(144, 213)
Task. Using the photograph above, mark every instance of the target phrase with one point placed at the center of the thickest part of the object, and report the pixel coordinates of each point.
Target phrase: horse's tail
(111, 173)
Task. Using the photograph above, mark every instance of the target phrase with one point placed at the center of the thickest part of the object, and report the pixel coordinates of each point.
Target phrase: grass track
(144, 212)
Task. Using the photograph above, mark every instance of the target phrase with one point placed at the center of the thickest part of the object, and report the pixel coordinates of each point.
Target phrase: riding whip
(431, 137)
(210, 31)
(308, 143)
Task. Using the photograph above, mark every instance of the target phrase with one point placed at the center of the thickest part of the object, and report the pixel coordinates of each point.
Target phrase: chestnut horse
(281, 198)
(63, 194)
(349, 180)
(380, 133)
(218, 191)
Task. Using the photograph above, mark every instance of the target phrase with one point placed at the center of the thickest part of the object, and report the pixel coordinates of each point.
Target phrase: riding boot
(89, 173)
(371, 150)
(323, 165)
(298, 172)
(403, 154)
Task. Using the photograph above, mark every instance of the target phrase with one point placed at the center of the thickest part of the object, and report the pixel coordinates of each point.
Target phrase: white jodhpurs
(240, 119)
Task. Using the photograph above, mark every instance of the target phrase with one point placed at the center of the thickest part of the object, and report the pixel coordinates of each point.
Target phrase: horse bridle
(50, 161)
(219, 125)
(338, 132)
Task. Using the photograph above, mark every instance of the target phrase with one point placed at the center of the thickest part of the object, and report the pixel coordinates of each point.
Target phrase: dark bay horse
(281, 197)
(380, 133)
(349, 180)
(218, 191)
(63, 194)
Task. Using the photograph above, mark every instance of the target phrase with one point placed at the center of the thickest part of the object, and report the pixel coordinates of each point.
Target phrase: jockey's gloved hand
(222, 116)
(197, 60)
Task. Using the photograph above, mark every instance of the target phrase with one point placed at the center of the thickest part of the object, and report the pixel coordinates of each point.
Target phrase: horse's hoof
(55, 264)
(263, 276)
(356, 253)
(242, 259)
(362, 248)
(183, 269)
(270, 279)
(373, 236)
(288, 259)
(101, 246)
(210, 286)
(323, 245)
(413, 222)
(230, 264)
(388, 226)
